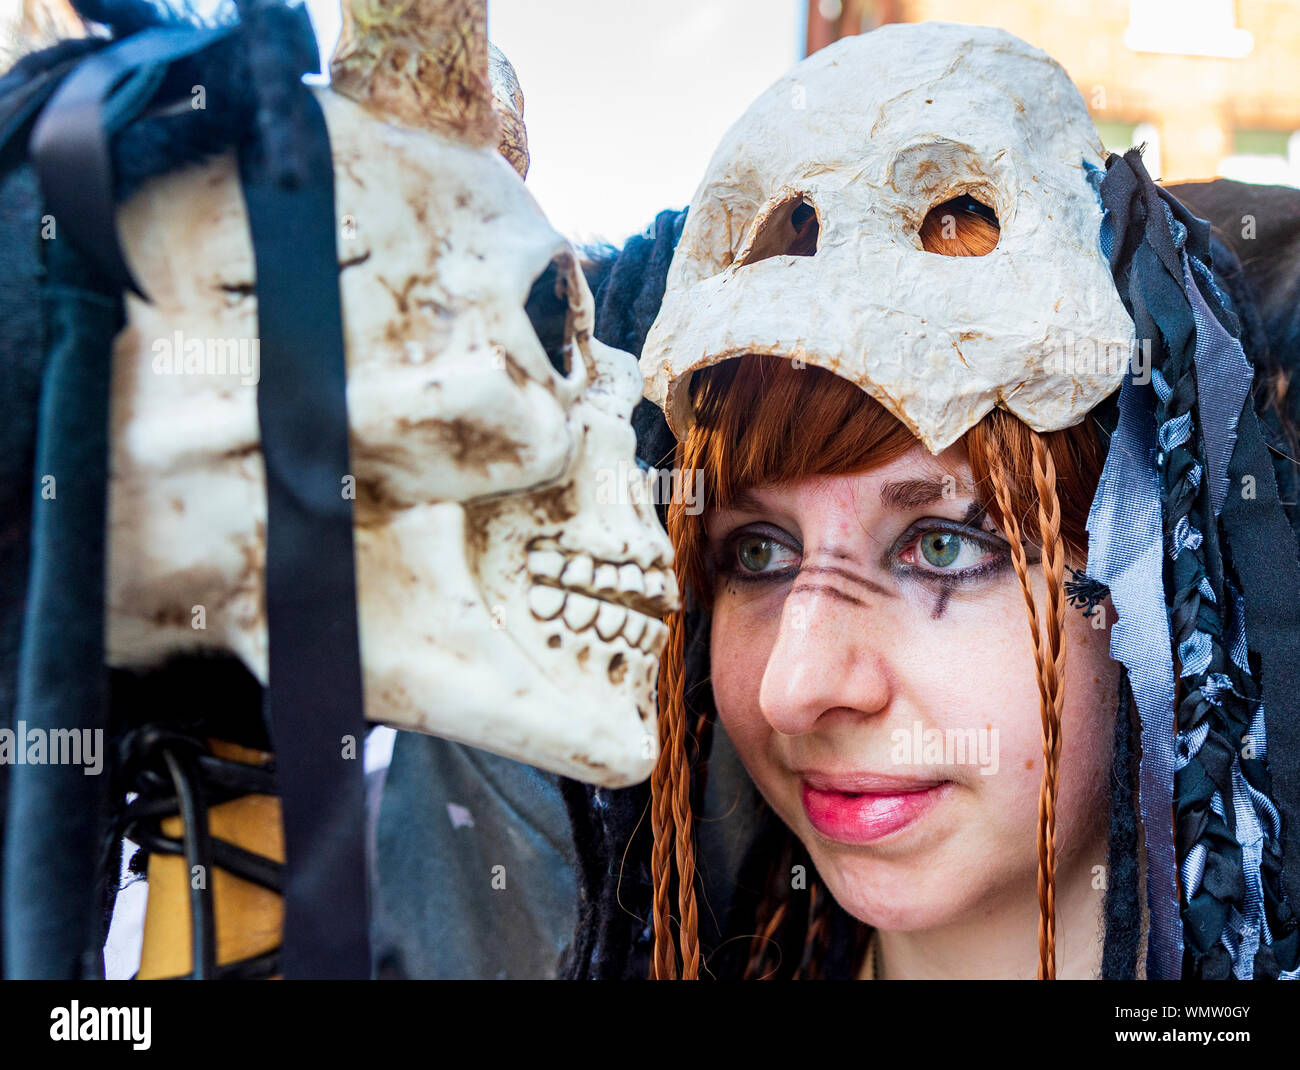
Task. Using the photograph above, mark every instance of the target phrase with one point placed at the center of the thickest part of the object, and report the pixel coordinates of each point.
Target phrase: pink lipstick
(862, 809)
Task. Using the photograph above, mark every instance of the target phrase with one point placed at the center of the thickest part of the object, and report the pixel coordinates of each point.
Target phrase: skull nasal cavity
(962, 226)
(789, 229)
(550, 314)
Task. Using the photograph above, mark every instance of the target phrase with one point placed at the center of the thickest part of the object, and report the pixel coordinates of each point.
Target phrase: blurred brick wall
(1195, 102)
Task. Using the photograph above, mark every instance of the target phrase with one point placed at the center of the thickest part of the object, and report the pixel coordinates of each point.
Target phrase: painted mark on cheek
(941, 603)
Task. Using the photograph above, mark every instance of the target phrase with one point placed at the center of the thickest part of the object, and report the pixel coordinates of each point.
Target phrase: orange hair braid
(663, 963)
(1048, 639)
(671, 819)
(1053, 676)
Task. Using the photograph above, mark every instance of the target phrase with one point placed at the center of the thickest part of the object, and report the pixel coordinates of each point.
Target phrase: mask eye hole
(961, 226)
(790, 228)
(549, 312)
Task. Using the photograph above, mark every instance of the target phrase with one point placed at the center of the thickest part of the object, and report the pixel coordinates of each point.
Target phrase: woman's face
(872, 664)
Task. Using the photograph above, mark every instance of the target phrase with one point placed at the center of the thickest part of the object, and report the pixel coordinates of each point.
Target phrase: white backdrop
(625, 100)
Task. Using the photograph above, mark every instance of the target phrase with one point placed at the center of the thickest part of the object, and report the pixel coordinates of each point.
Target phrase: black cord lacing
(176, 775)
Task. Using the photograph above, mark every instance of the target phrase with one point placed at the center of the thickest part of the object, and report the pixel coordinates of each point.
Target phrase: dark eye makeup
(919, 553)
(996, 559)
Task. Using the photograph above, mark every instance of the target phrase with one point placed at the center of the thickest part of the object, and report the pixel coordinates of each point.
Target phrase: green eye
(940, 548)
(754, 552)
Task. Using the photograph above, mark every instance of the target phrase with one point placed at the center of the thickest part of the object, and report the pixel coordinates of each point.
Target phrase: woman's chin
(878, 894)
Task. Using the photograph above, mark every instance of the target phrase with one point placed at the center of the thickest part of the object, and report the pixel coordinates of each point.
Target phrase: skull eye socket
(549, 312)
(790, 228)
(961, 226)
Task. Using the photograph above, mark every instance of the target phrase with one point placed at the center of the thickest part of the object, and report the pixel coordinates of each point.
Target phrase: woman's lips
(863, 809)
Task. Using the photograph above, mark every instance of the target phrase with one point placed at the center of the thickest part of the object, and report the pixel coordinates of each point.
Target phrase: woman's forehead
(911, 481)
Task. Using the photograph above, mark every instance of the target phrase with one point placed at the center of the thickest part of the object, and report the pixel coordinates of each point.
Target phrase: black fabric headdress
(1221, 570)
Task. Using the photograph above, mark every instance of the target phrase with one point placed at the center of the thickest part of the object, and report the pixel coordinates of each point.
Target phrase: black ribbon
(70, 140)
(26, 88)
(52, 897)
(314, 704)
(315, 694)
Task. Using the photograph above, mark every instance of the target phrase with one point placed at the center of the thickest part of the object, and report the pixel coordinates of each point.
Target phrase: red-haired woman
(891, 636)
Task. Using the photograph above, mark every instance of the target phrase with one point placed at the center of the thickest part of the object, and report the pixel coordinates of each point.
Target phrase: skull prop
(502, 603)
(848, 153)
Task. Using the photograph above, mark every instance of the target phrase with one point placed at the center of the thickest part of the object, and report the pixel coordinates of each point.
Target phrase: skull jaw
(444, 650)
(579, 583)
(454, 652)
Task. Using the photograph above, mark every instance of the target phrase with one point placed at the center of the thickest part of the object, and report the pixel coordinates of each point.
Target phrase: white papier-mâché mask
(869, 134)
(503, 601)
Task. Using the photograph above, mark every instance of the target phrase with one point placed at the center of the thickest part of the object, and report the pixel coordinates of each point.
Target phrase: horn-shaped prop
(510, 109)
(419, 63)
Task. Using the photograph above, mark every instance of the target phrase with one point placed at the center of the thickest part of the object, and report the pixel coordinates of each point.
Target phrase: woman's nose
(828, 655)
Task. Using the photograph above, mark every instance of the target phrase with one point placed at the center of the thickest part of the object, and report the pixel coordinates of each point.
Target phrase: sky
(625, 100)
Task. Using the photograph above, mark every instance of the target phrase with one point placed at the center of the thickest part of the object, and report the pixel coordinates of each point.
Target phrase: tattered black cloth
(1232, 550)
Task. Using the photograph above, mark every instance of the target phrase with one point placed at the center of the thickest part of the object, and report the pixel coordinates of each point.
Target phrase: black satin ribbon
(54, 829)
(70, 141)
(314, 702)
(315, 694)
(24, 92)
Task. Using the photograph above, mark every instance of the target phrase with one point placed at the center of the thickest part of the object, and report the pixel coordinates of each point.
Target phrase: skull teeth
(607, 578)
(545, 602)
(581, 613)
(655, 635)
(654, 584)
(616, 599)
(579, 610)
(579, 573)
(652, 592)
(631, 579)
(634, 629)
(549, 563)
(610, 619)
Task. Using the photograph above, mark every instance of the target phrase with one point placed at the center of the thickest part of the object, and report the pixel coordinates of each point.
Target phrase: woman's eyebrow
(914, 493)
(899, 494)
(744, 501)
